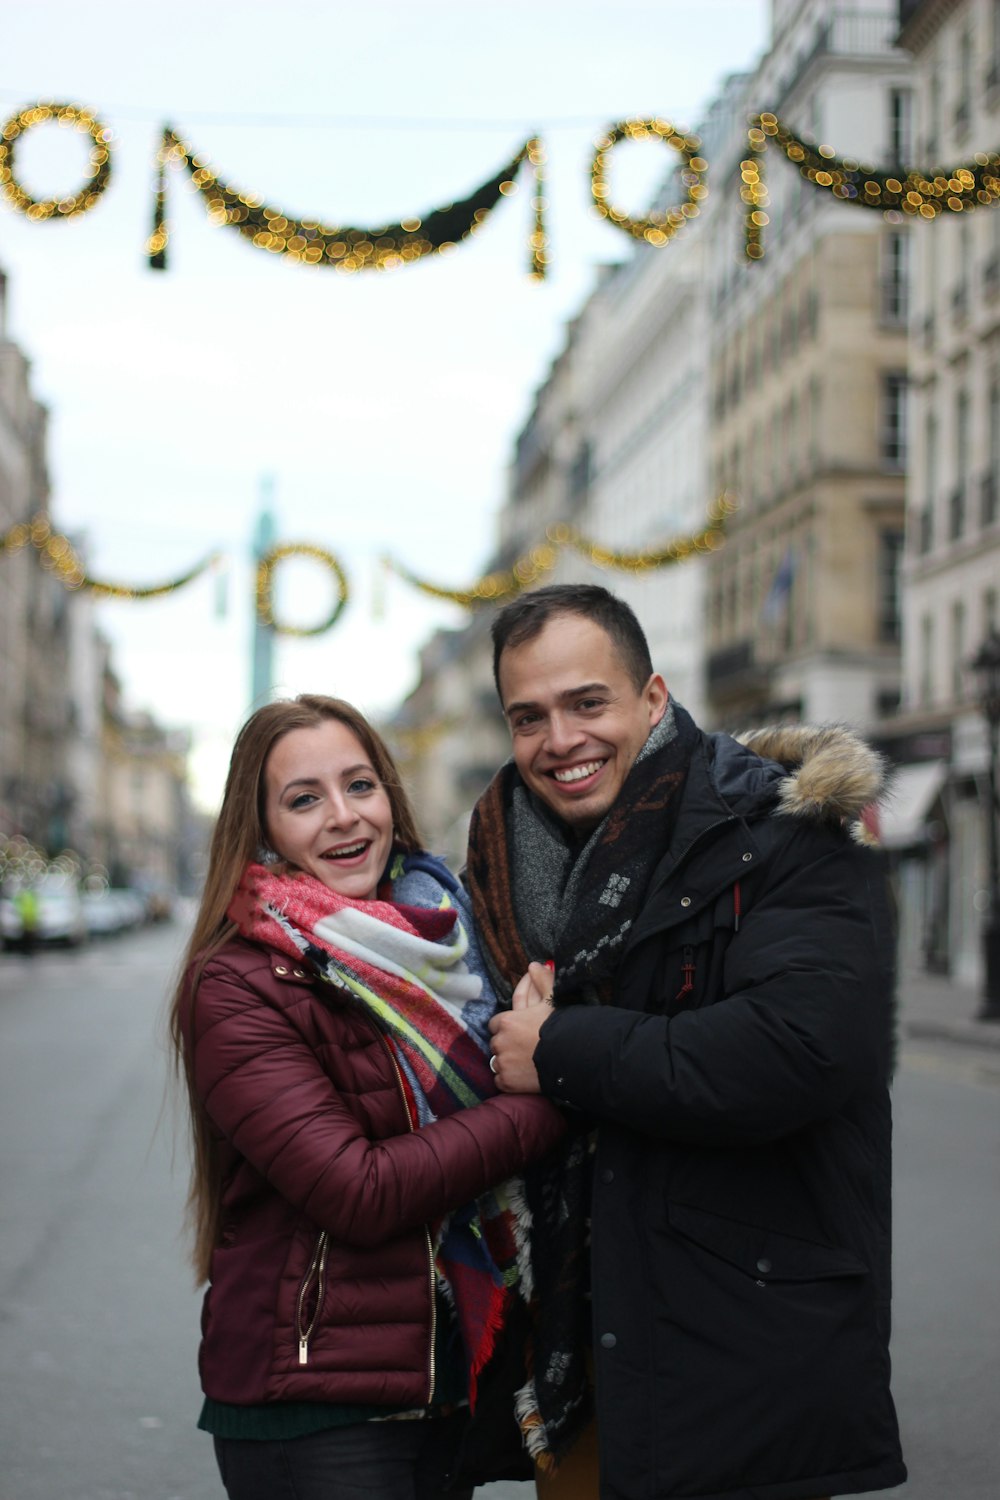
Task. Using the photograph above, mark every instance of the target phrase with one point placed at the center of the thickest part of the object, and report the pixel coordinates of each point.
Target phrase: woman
(332, 1025)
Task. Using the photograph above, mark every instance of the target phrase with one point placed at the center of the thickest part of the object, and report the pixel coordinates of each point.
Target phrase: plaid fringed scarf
(536, 897)
(405, 966)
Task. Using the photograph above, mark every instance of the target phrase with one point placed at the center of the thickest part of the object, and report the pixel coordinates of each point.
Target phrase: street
(100, 1319)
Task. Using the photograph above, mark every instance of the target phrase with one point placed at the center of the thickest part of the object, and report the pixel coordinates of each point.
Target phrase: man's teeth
(577, 773)
(345, 853)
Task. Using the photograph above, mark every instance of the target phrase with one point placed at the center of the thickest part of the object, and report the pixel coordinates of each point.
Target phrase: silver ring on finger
(493, 1063)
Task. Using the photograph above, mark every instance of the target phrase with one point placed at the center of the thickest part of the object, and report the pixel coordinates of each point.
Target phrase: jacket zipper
(431, 1371)
(317, 1273)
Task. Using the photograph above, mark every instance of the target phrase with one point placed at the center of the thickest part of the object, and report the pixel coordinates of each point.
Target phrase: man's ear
(657, 698)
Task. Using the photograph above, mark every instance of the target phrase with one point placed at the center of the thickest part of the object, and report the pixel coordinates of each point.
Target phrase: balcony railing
(848, 33)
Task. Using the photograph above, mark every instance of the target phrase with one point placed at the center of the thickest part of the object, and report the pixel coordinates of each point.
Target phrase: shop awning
(912, 792)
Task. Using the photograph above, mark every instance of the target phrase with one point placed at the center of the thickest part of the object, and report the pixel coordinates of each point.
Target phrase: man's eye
(590, 703)
(525, 721)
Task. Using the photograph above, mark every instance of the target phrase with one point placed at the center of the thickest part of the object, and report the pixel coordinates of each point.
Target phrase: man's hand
(515, 1032)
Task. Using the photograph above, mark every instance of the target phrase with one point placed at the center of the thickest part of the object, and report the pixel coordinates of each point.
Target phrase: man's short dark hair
(526, 617)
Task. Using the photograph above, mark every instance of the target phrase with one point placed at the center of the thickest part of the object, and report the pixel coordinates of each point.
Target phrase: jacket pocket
(782, 1332)
(762, 1253)
(309, 1301)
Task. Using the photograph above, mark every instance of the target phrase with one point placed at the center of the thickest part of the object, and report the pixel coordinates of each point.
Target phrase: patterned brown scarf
(535, 897)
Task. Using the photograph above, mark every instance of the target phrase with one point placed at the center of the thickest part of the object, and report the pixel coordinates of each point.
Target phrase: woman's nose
(341, 812)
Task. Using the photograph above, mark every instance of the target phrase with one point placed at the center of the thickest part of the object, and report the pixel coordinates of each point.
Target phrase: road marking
(976, 1072)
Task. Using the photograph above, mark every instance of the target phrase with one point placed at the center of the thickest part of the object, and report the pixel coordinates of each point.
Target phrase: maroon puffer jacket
(322, 1286)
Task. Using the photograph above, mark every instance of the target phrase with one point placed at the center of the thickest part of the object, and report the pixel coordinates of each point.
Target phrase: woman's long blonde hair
(240, 832)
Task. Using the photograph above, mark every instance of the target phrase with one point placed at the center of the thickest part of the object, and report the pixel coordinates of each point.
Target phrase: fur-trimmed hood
(834, 775)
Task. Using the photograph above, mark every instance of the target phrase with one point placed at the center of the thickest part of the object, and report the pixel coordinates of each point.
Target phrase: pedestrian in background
(27, 907)
(723, 969)
(354, 1198)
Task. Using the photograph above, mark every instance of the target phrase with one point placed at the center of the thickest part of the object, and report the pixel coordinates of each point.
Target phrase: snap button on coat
(608, 1341)
(763, 1265)
(685, 900)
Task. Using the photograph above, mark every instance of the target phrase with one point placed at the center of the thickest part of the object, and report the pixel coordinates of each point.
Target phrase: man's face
(576, 717)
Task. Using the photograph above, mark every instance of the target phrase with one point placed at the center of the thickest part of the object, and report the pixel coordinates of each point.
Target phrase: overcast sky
(383, 405)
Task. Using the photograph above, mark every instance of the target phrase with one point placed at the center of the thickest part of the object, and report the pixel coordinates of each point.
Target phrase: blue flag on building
(778, 597)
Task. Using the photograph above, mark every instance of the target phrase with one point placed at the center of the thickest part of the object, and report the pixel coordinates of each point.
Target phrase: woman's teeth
(346, 853)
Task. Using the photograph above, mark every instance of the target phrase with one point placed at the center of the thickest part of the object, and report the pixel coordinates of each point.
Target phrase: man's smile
(570, 774)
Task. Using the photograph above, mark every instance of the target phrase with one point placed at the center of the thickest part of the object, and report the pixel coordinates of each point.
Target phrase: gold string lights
(344, 248)
(923, 194)
(70, 117)
(266, 568)
(658, 227)
(59, 556)
(497, 587)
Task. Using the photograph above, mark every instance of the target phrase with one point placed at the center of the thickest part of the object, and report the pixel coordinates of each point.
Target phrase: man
(722, 973)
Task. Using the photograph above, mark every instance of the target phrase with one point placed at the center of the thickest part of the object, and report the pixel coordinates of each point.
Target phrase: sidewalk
(931, 1005)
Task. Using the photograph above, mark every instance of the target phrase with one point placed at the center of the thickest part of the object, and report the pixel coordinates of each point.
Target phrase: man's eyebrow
(563, 697)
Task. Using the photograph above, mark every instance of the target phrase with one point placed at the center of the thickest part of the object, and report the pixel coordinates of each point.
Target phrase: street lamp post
(986, 666)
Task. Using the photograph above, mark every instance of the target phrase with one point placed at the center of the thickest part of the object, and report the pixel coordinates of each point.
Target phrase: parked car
(112, 909)
(59, 916)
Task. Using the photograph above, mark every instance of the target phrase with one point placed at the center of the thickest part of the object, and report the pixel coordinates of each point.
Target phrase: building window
(894, 420)
(989, 611)
(957, 650)
(990, 504)
(895, 284)
(963, 104)
(926, 537)
(815, 414)
(959, 501)
(932, 142)
(900, 132)
(926, 688)
(890, 555)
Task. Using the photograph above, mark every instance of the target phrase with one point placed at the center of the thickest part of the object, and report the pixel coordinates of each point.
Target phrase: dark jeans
(366, 1461)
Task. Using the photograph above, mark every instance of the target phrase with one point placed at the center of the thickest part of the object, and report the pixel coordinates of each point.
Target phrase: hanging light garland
(498, 587)
(59, 556)
(69, 116)
(927, 195)
(266, 568)
(659, 227)
(345, 248)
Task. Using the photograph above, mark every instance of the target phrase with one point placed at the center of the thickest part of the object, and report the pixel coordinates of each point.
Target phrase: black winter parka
(741, 1200)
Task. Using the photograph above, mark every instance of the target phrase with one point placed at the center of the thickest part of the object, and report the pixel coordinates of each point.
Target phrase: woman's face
(326, 810)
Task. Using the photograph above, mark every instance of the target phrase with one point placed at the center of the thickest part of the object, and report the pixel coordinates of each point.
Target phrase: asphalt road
(99, 1320)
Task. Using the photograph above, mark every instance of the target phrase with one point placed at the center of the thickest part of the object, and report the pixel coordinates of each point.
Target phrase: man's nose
(563, 734)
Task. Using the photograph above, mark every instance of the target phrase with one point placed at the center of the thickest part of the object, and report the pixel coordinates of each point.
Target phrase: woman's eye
(304, 799)
(361, 784)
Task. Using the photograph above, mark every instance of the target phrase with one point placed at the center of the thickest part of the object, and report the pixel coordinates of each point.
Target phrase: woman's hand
(535, 988)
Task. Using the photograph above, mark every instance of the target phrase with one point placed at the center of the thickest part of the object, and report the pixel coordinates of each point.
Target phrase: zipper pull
(687, 969)
(303, 1351)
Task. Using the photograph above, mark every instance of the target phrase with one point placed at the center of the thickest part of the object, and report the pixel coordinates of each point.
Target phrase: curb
(969, 1033)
